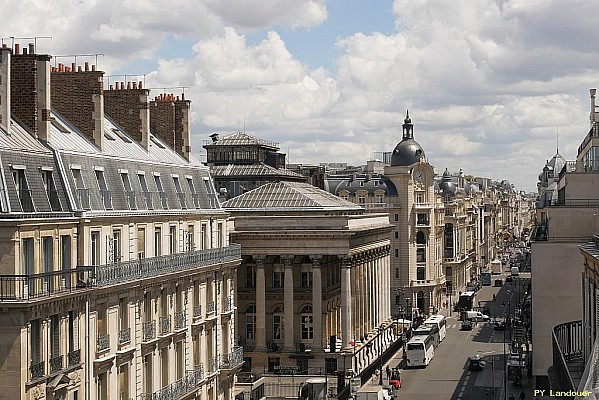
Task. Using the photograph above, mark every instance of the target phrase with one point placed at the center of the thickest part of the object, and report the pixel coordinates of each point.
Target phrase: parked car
(466, 325)
(508, 279)
(498, 282)
(499, 326)
(476, 363)
(477, 315)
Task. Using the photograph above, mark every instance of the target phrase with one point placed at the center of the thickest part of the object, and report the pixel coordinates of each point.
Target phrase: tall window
(22, 188)
(35, 341)
(307, 323)
(379, 198)
(250, 276)
(420, 238)
(192, 190)
(420, 255)
(129, 194)
(250, 322)
(50, 188)
(419, 197)
(203, 236)
(157, 241)
(73, 331)
(146, 192)
(306, 278)
(95, 248)
(190, 245)
(161, 193)
(141, 243)
(278, 277)
(277, 324)
(420, 273)
(47, 254)
(172, 239)
(82, 191)
(105, 194)
(179, 191)
(116, 246)
(54, 336)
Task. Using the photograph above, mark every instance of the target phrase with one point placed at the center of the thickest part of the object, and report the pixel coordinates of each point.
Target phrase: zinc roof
(258, 169)
(288, 195)
(243, 139)
(20, 140)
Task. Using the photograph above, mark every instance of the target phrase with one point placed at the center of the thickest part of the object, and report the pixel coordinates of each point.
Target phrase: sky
(493, 87)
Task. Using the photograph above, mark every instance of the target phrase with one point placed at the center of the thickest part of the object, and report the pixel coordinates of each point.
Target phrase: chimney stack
(30, 91)
(5, 56)
(79, 97)
(130, 109)
(170, 120)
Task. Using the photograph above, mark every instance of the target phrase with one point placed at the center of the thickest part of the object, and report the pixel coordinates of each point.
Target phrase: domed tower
(408, 151)
(417, 279)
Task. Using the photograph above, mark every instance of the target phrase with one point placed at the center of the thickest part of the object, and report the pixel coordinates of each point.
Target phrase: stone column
(346, 302)
(288, 344)
(260, 303)
(317, 303)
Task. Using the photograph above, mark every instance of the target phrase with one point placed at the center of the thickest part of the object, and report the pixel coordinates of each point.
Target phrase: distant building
(241, 162)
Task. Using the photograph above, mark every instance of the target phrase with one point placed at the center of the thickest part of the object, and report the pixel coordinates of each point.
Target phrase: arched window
(307, 323)
(420, 238)
(250, 322)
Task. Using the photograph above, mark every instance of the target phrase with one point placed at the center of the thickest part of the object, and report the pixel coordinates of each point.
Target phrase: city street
(447, 376)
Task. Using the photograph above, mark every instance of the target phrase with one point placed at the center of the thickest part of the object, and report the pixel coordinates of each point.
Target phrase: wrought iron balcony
(125, 336)
(197, 312)
(28, 287)
(211, 307)
(56, 364)
(190, 382)
(74, 357)
(227, 304)
(568, 354)
(165, 325)
(37, 370)
(102, 343)
(212, 365)
(180, 320)
(149, 330)
(233, 359)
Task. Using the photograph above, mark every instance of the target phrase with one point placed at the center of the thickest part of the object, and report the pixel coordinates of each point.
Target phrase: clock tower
(417, 277)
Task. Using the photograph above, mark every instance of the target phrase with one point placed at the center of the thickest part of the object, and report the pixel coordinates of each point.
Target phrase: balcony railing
(131, 201)
(568, 352)
(106, 196)
(149, 331)
(180, 388)
(27, 287)
(211, 307)
(102, 343)
(37, 370)
(125, 336)
(233, 359)
(197, 312)
(180, 320)
(74, 357)
(227, 304)
(56, 364)
(165, 325)
(83, 198)
(212, 365)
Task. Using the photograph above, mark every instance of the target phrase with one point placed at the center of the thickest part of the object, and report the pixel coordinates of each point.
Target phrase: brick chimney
(169, 119)
(79, 96)
(30, 90)
(5, 55)
(129, 107)
(182, 127)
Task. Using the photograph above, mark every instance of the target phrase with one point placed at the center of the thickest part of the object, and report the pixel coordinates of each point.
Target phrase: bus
(428, 330)
(467, 301)
(420, 350)
(440, 322)
(485, 277)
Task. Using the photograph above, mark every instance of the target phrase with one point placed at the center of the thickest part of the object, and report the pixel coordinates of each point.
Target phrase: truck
(485, 277)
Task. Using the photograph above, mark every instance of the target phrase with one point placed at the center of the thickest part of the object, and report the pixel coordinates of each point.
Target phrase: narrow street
(447, 376)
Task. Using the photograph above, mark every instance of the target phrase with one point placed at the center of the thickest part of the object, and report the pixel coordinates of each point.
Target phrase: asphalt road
(447, 376)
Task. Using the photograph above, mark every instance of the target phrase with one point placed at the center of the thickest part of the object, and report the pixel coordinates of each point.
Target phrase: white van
(515, 271)
(477, 316)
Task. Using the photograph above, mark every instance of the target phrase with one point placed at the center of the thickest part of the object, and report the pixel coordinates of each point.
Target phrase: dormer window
(179, 191)
(50, 188)
(160, 190)
(22, 188)
(105, 194)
